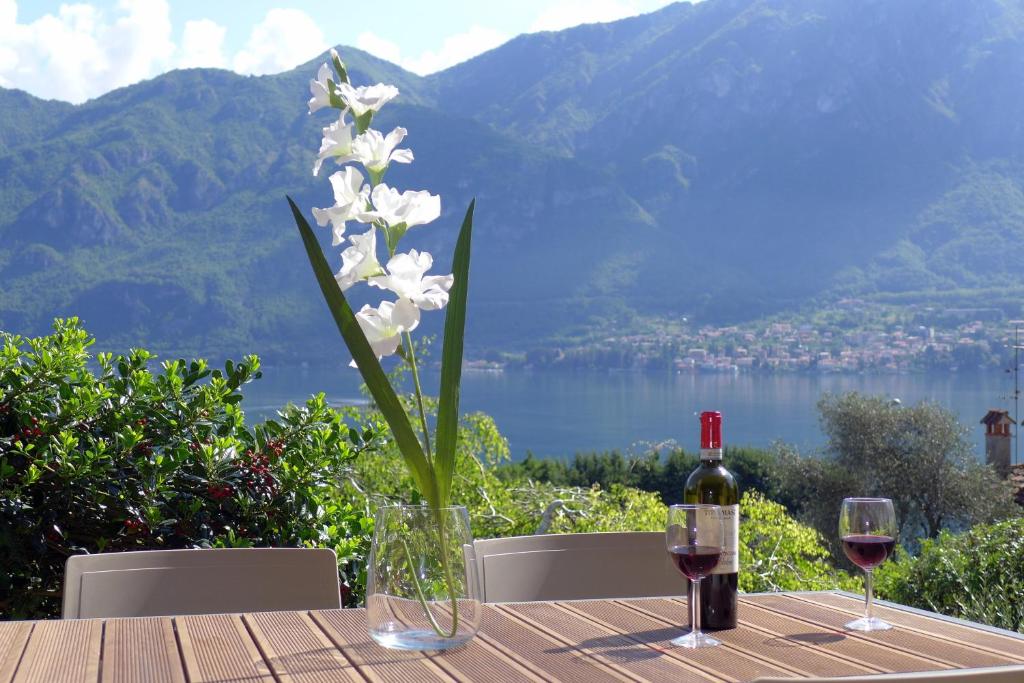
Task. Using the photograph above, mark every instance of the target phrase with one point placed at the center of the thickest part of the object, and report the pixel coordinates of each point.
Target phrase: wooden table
(789, 635)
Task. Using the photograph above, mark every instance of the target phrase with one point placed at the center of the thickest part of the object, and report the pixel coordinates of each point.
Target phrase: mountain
(723, 160)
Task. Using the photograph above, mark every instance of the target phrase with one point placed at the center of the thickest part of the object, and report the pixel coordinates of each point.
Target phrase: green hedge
(778, 553)
(663, 474)
(102, 454)
(976, 575)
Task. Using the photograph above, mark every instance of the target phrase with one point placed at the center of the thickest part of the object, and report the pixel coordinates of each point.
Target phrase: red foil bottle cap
(710, 429)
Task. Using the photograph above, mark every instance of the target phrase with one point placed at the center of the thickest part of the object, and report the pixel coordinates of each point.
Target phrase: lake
(558, 414)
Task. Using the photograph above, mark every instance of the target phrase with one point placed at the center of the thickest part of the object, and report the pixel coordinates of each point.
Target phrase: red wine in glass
(867, 552)
(694, 538)
(867, 528)
(695, 561)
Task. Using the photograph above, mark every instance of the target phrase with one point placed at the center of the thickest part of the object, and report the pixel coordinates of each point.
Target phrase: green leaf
(369, 367)
(392, 234)
(332, 96)
(451, 362)
(339, 67)
(363, 122)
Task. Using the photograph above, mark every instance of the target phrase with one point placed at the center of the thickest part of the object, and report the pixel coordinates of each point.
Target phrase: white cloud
(568, 13)
(455, 49)
(79, 53)
(283, 40)
(379, 47)
(202, 45)
(82, 51)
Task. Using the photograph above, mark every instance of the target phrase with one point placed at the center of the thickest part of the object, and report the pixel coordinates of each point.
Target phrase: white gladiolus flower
(407, 208)
(320, 89)
(350, 196)
(367, 97)
(384, 325)
(359, 261)
(375, 152)
(336, 144)
(405, 278)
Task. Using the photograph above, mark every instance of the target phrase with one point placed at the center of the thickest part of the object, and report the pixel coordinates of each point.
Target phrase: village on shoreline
(956, 340)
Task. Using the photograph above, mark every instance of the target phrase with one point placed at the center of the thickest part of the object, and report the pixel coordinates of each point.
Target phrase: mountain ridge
(722, 161)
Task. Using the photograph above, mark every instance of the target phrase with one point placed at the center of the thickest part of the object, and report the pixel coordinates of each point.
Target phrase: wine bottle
(712, 484)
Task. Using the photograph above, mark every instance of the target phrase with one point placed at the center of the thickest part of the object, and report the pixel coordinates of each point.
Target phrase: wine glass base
(695, 640)
(865, 624)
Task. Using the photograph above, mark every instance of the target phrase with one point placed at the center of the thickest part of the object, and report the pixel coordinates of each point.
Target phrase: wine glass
(694, 536)
(867, 527)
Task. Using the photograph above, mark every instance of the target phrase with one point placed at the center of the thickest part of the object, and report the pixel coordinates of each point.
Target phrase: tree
(916, 455)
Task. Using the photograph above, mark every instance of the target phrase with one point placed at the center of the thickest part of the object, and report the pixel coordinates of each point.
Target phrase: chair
(577, 566)
(996, 674)
(165, 582)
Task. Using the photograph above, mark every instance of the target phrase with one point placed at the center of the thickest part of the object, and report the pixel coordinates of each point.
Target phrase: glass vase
(422, 587)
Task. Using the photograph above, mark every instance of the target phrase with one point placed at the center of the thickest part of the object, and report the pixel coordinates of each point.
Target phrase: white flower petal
(359, 261)
(336, 144)
(366, 98)
(402, 156)
(405, 278)
(405, 315)
(319, 89)
(410, 208)
(350, 197)
(374, 151)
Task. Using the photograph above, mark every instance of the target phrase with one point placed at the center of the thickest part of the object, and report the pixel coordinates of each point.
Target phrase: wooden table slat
(726, 663)
(297, 649)
(996, 643)
(347, 630)
(482, 660)
(783, 645)
(944, 654)
(540, 651)
(218, 648)
(66, 651)
(13, 638)
(141, 649)
(784, 635)
(617, 650)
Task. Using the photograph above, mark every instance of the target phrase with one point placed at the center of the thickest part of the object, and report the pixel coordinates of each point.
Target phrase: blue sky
(78, 50)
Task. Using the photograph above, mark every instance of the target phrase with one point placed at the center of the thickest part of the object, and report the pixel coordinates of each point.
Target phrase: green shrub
(112, 456)
(499, 506)
(976, 575)
(777, 553)
(618, 508)
(665, 476)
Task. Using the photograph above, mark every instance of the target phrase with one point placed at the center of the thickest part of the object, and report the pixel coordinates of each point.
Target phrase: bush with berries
(104, 453)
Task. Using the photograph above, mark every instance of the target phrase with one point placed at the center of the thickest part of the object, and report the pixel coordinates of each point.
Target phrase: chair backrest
(164, 582)
(996, 674)
(577, 566)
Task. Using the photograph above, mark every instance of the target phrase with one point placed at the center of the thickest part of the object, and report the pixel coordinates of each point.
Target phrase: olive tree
(917, 455)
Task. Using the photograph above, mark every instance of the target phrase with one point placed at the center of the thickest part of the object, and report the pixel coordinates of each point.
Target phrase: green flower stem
(442, 525)
(449, 579)
(411, 354)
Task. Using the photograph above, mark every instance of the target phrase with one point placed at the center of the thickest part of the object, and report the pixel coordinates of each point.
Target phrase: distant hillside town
(830, 343)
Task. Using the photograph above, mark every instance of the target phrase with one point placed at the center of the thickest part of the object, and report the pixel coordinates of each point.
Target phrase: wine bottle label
(730, 562)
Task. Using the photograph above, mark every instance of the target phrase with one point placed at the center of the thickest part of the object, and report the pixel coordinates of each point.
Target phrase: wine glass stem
(868, 595)
(695, 606)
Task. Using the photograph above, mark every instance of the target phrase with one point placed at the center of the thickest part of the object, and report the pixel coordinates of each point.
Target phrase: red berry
(135, 525)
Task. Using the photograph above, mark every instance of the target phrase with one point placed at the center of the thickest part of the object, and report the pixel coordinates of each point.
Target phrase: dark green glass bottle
(712, 484)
